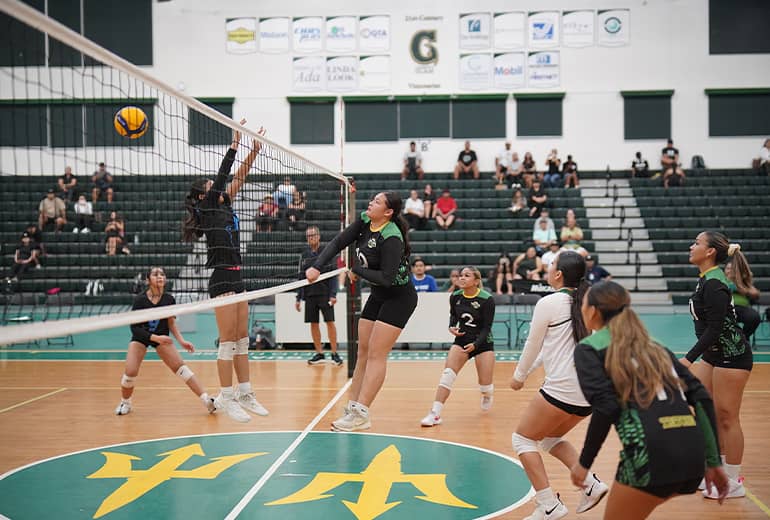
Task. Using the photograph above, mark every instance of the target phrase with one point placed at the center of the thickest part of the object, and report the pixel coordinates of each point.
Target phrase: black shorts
(716, 359)
(314, 304)
(461, 341)
(580, 411)
(688, 487)
(146, 345)
(224, 281)
(391, 305)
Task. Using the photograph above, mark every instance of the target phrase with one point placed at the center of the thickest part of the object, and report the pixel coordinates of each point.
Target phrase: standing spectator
(24, 259)
(268, 214)
(552, 179)
(446, 206)
(741, 283)
(570, 170)
(102, 182)
(319, 297)
(67, 183)
(594, 272)
(529, 169)
(467, 163)
(284, 193)
(116, 235)
(422, 282)
(571, 234)
(549, 256)
(640, 167)
(451, 284)
(762, 163)
(537, 199)
(84, 214)
(296, 209)
(527, 265)
(503, 162)
(412, 163)
(518, 202)
(52, 209)
(543, 237)
(414, 211)
(544, 215)
(429, 201)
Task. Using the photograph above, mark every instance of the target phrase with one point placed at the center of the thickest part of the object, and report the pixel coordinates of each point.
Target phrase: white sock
(204, 397)
(361, 409)
(733, 471)
(724, 459)
(125, 400)
(437, 407)
(227, 392)
(349, 406)
(589, 480)
(487, 389)
(545, 497)
(244, 388)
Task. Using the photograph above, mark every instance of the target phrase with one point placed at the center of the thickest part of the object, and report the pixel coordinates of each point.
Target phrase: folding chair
(523, 306)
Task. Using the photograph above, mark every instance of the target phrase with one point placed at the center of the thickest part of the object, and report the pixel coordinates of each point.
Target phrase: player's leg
(630, 503)
(485, 367)
(455, 361)
(170, 356)
(134, 358)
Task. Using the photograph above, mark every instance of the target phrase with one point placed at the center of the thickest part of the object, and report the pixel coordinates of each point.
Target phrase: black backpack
(698, 163)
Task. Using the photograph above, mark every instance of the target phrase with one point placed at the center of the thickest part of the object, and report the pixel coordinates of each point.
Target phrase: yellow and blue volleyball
(131, 122)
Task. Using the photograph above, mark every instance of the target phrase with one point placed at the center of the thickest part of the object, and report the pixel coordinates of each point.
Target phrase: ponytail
(191, 225)
(573, 269)
(742, 275)
(579, 329)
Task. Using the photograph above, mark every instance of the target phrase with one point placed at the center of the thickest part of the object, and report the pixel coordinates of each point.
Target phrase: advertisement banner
(508, 70)
(374, 33)
(341, 33)
(475, 31)
(614, 27)
(423, 59)
(475, 71)
(342, 73)
(241, 35)
(577, 28)
(274, 35)
(543, 29)
(306, 34)
(510, 30)
(309, 74)
(374, 73)
(543, 69)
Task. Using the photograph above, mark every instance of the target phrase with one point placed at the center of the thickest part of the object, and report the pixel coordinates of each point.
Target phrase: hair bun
(732, 248)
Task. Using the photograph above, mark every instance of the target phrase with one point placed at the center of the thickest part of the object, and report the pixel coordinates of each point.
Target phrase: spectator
(571, 234)
(640, 167)
(414, 211)
(268, 214)
(24, 259)
(412, 163)
(529, 169)
(284, 193)
(503, 162)
(504, 271)
(552, 178)
(669, 156)
(84, 214)
(422, 282)
(549, 256)
(102, 182)
(467, 163)
(37, 240)
(514, 178)
(570, 170)
(67, 183)
(429, 201)
(762, 163)
(451, 284)
(537, 199)
(527, 265)
(296, 211)
(116, 235)
(594, 272)
(543, 237)
(518, 202)
(52, 209)
(446, 207)
(744, 293)
(544, 215)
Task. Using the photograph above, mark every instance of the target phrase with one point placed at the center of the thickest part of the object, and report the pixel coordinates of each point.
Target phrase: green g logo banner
(328, 475)
(423, 48)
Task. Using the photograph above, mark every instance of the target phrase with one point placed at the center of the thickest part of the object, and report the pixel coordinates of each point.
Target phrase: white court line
(240, 506)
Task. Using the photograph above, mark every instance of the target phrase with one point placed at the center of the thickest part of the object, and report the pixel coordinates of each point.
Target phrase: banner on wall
(614, 27)
(543, 69)
(306, 34)
(274, 35)
(342, 73)
(341, 33)
(510, 30)
(475, 31)
(241, 35)
(577, 28)
(543, 29)
(426, 61)
(374, 73)
(508, 70)
(475, 71)
(309, 74)
(374, 33)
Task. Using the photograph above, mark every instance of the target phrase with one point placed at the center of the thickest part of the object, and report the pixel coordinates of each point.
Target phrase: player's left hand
(332, 300)
(718, 478)
(312, 274)
(516, 384)
(256, 145)
(578, 475)
(470, 347)
(189, 347)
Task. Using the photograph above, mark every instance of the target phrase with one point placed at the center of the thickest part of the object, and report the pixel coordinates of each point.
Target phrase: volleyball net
(88, 243)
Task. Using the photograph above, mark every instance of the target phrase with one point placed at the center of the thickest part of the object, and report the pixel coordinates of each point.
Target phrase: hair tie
(732, 248)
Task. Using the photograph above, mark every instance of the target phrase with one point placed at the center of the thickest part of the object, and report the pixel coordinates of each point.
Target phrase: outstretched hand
(237, 135)
(255, 144)
(717, 478)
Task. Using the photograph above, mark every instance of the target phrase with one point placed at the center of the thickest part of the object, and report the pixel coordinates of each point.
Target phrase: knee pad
(226, 350)
(185, 373)
(487, 389)
(548, 443)
(447, 379)
(522, 444)
(242, 346)
(127, 382)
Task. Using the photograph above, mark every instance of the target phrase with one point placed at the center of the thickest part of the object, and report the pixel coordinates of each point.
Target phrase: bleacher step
(628, 270)
(639, 233)
(622, 245)
(650, 298)
(610, 258)
(643, 284)
(602, 183)
(602, 192)
(613, 223)
(607, 212)
(607, 202)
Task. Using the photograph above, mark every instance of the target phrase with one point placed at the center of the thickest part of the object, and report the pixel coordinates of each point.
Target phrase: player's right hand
(455, 331)
(297, 305)
(312, 274)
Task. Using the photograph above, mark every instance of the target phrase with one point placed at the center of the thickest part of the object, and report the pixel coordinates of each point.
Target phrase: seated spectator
(467, 163)
(570, 170)
(518, 202)
(543, 237)
(504, 271)
(669, 156)
(52, 209)
(429, 201)
(571, 234)
(537, 199)
(544, 215)
(594, 272)
(762, 163)
(296, 210)
(446, 207)
(503, 161)
(24, 259)
(412, 163)
(267, 214)
(451, 284)
(528, 265)
(67, 183)
(422, 282)
(549, 256)
(84, 215)
(673, 177)
(528, 169)
(514, 179)
(116, 235)
(640, 167)
(102, 182)
(37, 240)
(414, 211)
(284, 193)
(552, 178)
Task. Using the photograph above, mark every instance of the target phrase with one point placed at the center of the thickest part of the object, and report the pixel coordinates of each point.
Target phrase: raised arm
(243, 169)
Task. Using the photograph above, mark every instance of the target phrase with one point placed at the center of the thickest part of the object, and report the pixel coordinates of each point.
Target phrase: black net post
(354, 294)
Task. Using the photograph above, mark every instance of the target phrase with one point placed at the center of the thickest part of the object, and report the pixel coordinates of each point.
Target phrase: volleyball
(131, 122)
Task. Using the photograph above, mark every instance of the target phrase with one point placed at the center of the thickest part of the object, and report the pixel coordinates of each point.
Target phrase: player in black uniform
(641, 388)
(210, 213)
(727, 358)
(471, 314)
(382, 248)
(155, 333)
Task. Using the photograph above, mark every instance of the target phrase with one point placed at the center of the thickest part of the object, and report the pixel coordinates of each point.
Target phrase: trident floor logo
(328, 475)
